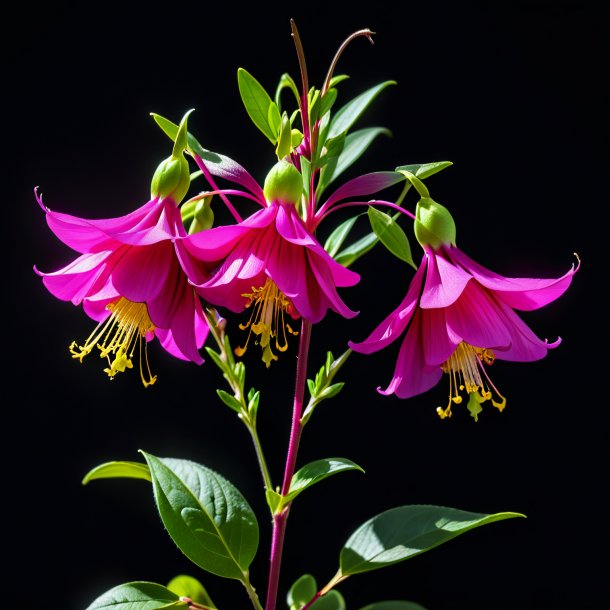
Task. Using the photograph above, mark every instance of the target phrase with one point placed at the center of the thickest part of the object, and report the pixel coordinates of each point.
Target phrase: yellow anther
(267, 321)
(128, 324)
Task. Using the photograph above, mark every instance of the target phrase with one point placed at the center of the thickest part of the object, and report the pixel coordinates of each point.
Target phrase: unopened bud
(434, 225)
(283, 184)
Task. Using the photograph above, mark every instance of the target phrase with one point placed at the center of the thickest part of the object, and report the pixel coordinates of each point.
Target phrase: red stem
(279, 520)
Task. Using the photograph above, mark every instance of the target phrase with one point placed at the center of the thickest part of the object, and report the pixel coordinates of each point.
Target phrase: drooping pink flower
(129, 280)
(459, 317)
(271, 263)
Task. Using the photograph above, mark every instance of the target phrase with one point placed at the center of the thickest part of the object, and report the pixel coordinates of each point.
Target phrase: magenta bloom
(459, 318)
(273, 264)
(130, 281)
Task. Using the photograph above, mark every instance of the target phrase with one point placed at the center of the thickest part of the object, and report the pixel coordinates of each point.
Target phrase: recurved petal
(444, 283)
(392, 327)
(412, 376)
(521, 293)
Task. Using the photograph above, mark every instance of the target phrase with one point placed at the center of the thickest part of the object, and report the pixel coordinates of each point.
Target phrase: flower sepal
(434, 225)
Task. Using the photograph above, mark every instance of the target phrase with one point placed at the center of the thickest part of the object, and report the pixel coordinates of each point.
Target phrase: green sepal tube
(172, 177)
(283, 184)
(434, 225)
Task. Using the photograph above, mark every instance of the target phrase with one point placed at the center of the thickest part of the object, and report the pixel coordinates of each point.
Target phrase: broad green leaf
(333, 600)
(391, 235)
(393, 605)
(301, 592)
(205, 515)
(337, 237)
(257, 102)
(351, 112)
(359, 248)
(118, 470)
(137, 596)
(317, 471)
(424, 170)
(401, 533)
(187, 586)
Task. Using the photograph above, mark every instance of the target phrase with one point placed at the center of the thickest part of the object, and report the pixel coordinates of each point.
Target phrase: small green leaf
(401, 533)
(257, 102)
(302, 591)
(137, 596)
(331, 391)
(393, 605)
(306, 173)
(317, 471)
(274, 118)
(351, 112)
(359, 248)
(296, 138)
(187, 586)
(333, 600)
(216, 357)
(327, 102)
(335, 80)
(253, 404)
(337, 237)
(391, 235)
(424, 170)
(274, 499)
(229, 400)
(286, 81)
(118, 470)
(205, 515)
(284, 141)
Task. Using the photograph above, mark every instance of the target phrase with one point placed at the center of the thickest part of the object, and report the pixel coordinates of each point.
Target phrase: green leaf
(274, 119)
(317, 471)
(335, 80)
(137, 596)
(257, 102)
(403, 532)
(333, 600)
(337, 237)
(391, 235)
(393, 605)
(355, 145)
(217, 358)
(327, 102)
(351, 112)
(187, 586)
(229, 400)
(302, 591)
(286, 81)
(359, 248)
(306, 173)
(424, 170)
(274, 499)
(118, 470)
(284, 141)
(205, 515)
(331, 391)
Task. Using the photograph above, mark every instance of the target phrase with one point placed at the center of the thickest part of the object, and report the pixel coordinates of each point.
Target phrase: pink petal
(412, 376)
(393, 326)
(444, 282)
(521, 293)
(438, 343)
(477, 318)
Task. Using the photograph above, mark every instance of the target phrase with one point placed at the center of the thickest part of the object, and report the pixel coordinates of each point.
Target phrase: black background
(511, 92)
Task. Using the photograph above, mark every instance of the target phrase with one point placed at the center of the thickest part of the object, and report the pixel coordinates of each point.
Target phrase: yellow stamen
(466, 371)
(117, 336)
(267, 320)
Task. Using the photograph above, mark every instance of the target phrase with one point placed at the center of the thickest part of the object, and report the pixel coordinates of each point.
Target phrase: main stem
(279, 519)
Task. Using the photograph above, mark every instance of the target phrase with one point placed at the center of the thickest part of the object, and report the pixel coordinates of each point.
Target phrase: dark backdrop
(511, 92)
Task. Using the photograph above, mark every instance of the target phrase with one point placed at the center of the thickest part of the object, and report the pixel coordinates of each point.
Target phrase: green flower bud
(171, 179)
(283, 183)
(197, 215)
(434, 225)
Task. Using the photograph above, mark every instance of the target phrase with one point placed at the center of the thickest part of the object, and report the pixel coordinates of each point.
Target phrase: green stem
(259, 454)
(252, 593)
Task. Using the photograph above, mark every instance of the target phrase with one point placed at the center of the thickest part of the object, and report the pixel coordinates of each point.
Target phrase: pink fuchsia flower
(459, 317)
(129, 280)
(273, 265)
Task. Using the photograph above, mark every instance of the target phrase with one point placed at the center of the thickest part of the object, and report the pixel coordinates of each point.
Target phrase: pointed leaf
(335, 80)
(391, 235)
(284, 141)
(367, 184)
(355, 145)
(118, 470)
(317, 471)
(257, 102)
(337, 237)
(351, 112)
(393, 605)
(424, 170)
(187, 586)
(352, 253)
(229, 400)
(274, 118)
(137, 596)
(205, 515)
(401, 533)
(302, 591)
(333, 600)
(327, 102)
